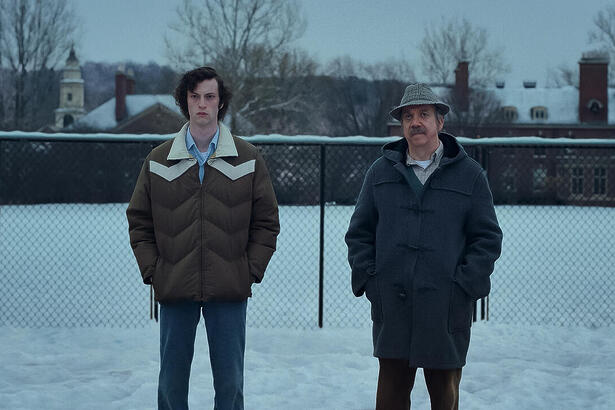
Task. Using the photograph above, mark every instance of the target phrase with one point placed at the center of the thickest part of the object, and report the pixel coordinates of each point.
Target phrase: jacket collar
(453, 151)
(226, 145)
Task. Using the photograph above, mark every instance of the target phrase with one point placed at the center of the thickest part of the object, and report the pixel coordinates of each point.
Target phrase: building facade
(542, 174)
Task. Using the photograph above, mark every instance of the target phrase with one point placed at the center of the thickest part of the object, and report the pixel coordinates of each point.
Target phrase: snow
(304, 139)
(103, 116)
(84, 272)
(562, 103)
(72, 81)
(509, 367)
(75, 333)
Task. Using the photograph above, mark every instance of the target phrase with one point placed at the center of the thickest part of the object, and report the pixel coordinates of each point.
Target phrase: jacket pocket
(372, 292)
(460, 309)
(156, 274)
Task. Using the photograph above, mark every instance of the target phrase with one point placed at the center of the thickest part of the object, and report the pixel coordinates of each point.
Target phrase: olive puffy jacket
(209, 241)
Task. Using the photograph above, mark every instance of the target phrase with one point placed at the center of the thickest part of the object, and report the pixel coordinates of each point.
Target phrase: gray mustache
(417, 130)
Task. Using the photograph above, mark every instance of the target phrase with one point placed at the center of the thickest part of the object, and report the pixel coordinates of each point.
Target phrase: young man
(203, 222)
(422, 243)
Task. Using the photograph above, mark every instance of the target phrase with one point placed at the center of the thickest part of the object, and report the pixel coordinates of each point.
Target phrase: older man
(422, 243)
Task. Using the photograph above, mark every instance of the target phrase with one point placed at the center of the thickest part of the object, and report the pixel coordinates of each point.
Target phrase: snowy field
(75, 332)
(509, 367)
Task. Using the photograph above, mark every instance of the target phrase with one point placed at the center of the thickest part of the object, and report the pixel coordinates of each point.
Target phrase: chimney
(593, 83)
(462, 89)
(130, 76)
(121, 88)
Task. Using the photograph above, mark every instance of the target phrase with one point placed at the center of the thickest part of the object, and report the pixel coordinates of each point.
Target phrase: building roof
(562, 103)
(103, 117)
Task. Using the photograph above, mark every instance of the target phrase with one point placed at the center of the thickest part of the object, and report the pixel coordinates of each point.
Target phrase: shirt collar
(435, 157)
(190, 144)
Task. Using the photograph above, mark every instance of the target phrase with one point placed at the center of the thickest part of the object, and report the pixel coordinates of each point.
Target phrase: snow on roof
(562, 103)
(305, 139)
(103, 116)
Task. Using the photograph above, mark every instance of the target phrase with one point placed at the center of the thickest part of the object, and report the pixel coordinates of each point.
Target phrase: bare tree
(3, 86)
(603, 35)
(34, 36)
(445, 45)
(361, 95)
(563, 75)
(391, 69)
(483, 109)
(248, 42)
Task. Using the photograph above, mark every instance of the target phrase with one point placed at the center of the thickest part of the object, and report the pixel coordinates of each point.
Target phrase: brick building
(543, 173)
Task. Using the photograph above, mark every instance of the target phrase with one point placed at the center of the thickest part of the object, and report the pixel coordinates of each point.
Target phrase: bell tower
(71, 93)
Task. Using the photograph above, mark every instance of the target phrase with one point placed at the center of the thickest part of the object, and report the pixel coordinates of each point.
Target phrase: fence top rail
(303, 139)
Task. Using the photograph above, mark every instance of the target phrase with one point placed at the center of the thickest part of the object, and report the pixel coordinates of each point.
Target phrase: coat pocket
(156, 274)
(372, 291)
(460, 309)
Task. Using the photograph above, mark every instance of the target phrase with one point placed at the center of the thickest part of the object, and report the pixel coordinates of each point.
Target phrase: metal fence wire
(65, 258)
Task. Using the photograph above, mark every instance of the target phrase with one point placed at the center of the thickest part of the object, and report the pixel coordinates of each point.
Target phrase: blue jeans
(226, 335)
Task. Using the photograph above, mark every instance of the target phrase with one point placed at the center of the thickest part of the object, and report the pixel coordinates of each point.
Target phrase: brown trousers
(396, 379)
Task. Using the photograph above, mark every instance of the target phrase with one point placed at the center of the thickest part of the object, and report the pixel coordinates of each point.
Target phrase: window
(68, 120)
(538, 113)
(539, 181)
(69, 96)
(599, 181)
(509, 177)
(594, 105)
(509, 113)
(576, 181)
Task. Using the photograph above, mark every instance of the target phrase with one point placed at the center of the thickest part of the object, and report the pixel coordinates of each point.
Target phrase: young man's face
(204, 103)
(421, 125)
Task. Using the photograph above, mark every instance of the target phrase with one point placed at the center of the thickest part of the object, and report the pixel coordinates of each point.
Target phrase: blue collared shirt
(201, 157)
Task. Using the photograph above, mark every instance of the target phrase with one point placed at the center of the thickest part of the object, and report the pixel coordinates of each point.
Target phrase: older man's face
(421, 126)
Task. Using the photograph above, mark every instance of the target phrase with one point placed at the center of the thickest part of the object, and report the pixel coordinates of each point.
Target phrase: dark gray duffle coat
(423, 259)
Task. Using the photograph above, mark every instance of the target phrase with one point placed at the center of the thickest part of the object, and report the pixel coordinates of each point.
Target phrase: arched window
(68, 120)
(594, 105)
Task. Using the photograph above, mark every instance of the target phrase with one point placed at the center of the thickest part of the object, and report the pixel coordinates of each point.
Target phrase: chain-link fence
(65, 258)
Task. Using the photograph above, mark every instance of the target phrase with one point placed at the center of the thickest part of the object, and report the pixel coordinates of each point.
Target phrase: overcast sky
(535, 35)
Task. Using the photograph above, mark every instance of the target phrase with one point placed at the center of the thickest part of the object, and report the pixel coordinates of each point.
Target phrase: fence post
(2, 193)
(484, 162)
(321, 254)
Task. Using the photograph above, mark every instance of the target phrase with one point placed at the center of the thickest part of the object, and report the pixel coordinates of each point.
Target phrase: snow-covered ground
(75, 334)
(509, 367)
